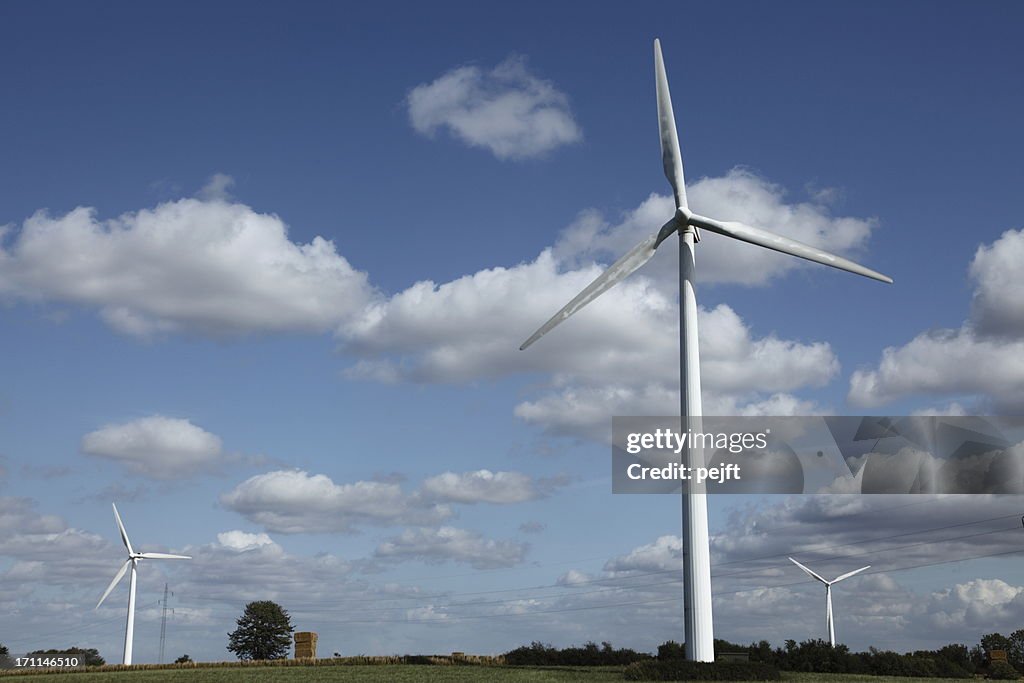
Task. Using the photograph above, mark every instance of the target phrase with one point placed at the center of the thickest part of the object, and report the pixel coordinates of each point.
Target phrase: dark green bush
(590, 654)
(89, 656)
(683, 670)
(1001, 671)
(671, 650)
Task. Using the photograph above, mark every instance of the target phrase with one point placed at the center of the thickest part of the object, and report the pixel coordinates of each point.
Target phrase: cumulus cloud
(206, 266)
(243, 540)
(506, 110)
(998, 308)
(619, 355)
(985, 605)
(213, 266)
(293, 501)
(759, 594)
(739, 195)
(484, 486)
(981, 363)
(665, 553)
(451, 544)
(34, 542)
(216, 188)
(158, 447)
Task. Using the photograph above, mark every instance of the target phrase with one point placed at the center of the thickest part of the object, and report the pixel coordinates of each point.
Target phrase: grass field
(402, 673)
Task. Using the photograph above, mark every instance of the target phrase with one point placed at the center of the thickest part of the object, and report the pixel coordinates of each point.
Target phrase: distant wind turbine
(132, 561)
(828, 595)
(696, 555)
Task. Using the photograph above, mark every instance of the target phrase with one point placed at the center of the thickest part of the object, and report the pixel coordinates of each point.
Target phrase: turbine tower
(133, 560)
(696, 554)
(828, 595)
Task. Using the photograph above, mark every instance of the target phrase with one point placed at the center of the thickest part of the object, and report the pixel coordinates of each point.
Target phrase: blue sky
(320, 232)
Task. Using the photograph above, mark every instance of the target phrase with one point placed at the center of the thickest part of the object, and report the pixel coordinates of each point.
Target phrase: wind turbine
(696, 554)
(828, 595)
(132, 561)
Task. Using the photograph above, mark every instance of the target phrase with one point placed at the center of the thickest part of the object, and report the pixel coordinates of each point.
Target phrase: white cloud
(293, 501)
(739, 195)
(451, 544)
(943, 363)
(740, 375)
(40, 545)
(214, 267)
(663, 554)
(201, 266)
(216, 188)
(574, 577)
(984, 605)
(243, 540)
(982, 360)
(620, 354)
(484, 486)
(506, 110)
(158, 447)
(998, 307)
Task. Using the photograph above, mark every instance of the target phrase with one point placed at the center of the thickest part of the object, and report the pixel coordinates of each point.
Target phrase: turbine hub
(683, 215)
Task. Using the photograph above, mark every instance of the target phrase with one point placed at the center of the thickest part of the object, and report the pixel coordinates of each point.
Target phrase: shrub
(590, 654)
(88, 657)
(670, 649)
(1001, 671)
(683, 670)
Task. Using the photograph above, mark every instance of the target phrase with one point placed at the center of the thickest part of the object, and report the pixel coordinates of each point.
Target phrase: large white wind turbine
(828, 595)
(132, 561)
(696, 561)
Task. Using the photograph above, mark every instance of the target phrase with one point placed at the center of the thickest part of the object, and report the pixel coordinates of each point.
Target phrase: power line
(606, 580)
(88, 624)
(450, 619)
(632, 587)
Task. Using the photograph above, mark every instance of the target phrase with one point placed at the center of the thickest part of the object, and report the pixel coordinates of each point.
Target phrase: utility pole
(163, 624)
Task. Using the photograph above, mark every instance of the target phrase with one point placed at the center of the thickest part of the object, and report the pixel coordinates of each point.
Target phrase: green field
(402, 673)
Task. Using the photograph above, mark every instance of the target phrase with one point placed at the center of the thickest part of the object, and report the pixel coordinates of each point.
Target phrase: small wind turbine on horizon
(828, 595)
(696, 553)
(132, 562)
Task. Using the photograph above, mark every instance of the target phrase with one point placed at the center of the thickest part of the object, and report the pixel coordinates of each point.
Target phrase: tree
(184, 659)
(87, 656)
(5, 656)
(264, 632)
(1016, 649)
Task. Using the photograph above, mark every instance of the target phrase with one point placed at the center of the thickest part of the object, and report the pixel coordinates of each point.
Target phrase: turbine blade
(849, 574)
(765, 238)
(670, 156)
(124, 534)
(117, 577)
(163, 556)
(636, 257)
(808, 571)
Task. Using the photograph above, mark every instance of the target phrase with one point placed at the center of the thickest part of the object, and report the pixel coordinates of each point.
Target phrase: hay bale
(305, 645)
